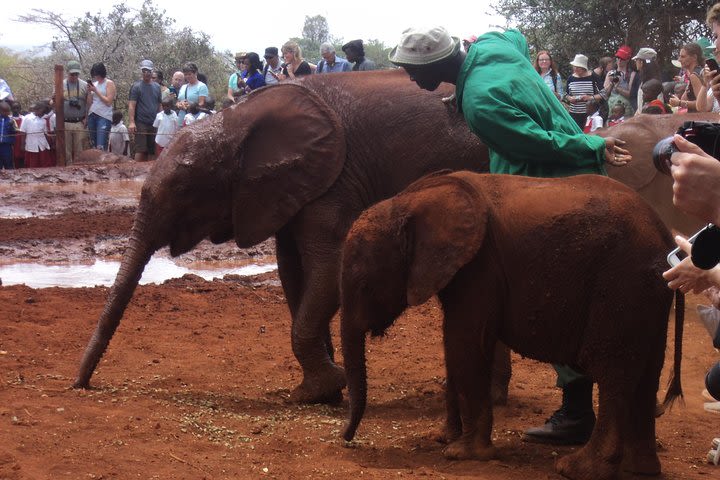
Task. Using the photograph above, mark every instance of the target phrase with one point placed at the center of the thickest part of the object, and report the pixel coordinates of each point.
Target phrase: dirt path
(196, 381)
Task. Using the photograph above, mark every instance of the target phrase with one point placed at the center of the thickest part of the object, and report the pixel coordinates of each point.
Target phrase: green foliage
(597, 28)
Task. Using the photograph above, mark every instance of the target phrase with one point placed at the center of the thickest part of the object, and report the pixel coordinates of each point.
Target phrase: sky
(243, 27)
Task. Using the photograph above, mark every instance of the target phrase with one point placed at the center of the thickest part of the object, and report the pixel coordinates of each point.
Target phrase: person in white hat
(528, 132)
(648, 69)
(143, 105)
(583, 86)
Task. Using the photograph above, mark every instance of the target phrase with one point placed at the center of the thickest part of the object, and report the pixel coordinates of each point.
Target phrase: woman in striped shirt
(582, 86)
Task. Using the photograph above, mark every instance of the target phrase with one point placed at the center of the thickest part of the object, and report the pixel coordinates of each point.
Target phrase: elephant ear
(447, 222)
(293, 150)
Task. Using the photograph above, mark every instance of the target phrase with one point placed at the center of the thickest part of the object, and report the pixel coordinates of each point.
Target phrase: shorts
(144, 138)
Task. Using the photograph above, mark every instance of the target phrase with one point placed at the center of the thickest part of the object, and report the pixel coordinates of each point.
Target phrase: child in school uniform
(166, 123)
(36, 146)
(119, 141)
(594, 119)
(7, 136)
(18, 152)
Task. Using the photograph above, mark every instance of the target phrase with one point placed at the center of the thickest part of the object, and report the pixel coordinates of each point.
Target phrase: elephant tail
(674, 387)
(353, 346)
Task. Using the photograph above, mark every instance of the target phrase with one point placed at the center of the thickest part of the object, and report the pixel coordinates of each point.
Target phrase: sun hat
(646, 54)
(580, 61)
(676, 63)
(147, 65)
(271, 52)
(421, 46)
(624, 52)
(73, 66)
(240, 55)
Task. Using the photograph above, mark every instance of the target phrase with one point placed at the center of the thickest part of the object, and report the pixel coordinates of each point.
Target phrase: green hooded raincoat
(507, 104)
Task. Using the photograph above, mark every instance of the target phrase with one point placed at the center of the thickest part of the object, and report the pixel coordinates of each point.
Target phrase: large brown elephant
(299, 161)
(641, 133)
(565, 271)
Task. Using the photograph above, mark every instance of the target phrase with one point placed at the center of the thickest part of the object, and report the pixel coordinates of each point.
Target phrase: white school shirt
(35, 129)
(118, 136)
(167, 126)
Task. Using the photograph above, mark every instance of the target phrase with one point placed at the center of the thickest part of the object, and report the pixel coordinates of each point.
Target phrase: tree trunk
(133, 263)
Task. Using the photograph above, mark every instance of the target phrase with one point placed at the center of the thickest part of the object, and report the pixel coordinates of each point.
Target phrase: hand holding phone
(678, 255)
(712, 65)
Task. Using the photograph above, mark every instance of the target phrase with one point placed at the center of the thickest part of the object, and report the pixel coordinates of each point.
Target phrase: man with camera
(528, 132)
(75, 92)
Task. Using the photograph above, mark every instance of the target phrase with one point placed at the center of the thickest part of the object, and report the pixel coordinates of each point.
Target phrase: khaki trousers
(76, 140)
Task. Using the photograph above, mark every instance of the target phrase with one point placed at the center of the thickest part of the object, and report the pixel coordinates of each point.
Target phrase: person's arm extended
(131, 116)
(515, 134)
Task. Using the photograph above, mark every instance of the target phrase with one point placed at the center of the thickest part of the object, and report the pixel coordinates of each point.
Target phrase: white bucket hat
(646, 54)
(580, 60)
(420, 46)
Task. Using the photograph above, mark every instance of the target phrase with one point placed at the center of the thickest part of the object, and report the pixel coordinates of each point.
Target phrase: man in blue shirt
(331, 63)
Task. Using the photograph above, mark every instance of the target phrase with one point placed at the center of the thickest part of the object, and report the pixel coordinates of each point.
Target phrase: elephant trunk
(133, 263)
(353, 346)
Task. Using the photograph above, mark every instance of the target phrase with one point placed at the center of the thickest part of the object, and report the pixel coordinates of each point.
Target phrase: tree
(122, 39)
(597, 28)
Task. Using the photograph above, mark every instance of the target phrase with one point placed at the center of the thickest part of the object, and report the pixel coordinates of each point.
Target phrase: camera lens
(661, 154)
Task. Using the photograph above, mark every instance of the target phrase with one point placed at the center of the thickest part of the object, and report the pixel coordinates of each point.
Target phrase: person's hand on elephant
(686, 277)
(615, 155)
(696, 175)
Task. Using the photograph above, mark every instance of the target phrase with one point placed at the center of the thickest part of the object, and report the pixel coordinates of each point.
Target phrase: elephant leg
(290, 269)
(323, 380)
(501, 373)
(640, 446)
(469, 365)
(600, 458)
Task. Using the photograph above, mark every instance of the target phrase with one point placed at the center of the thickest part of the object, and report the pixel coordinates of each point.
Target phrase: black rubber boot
(573, 423)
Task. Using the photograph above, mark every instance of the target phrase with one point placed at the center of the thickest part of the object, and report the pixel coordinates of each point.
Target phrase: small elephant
(299, 161)
(564, 271)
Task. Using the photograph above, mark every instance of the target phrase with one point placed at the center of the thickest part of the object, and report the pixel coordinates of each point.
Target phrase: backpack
(320, 66)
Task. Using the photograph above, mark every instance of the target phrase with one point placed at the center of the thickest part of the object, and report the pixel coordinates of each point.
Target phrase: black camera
(705, 135)
(74, 103)
(614, 76)
(173, 90)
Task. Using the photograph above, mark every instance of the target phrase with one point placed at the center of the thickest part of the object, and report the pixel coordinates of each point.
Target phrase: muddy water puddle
(102, 272)
(47, 199)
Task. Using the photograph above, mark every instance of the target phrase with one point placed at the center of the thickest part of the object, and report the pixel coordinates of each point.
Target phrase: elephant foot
(444, 435)
(466, 449)
(321, 387)
(641, 464)
(584, 465)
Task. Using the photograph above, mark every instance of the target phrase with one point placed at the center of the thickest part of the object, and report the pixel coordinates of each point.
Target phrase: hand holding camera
(614, 76)
(691, 157)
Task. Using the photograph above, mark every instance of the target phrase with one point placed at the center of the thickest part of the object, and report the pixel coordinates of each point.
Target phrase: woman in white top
(100, 106)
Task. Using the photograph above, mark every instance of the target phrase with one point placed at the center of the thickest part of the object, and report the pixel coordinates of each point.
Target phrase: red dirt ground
(196, 380)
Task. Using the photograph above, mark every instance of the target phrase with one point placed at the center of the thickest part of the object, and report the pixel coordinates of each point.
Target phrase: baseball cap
(73, 66)
(147, 65)
(624, 52)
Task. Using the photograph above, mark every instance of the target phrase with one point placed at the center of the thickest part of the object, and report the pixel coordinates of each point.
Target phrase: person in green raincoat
(528, 132)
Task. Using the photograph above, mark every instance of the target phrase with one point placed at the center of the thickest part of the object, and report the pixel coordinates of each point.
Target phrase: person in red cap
(626, 88)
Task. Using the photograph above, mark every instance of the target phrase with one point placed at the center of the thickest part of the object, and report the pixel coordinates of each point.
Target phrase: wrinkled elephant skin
(301, 161)
(564, 271)
(641, 133)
